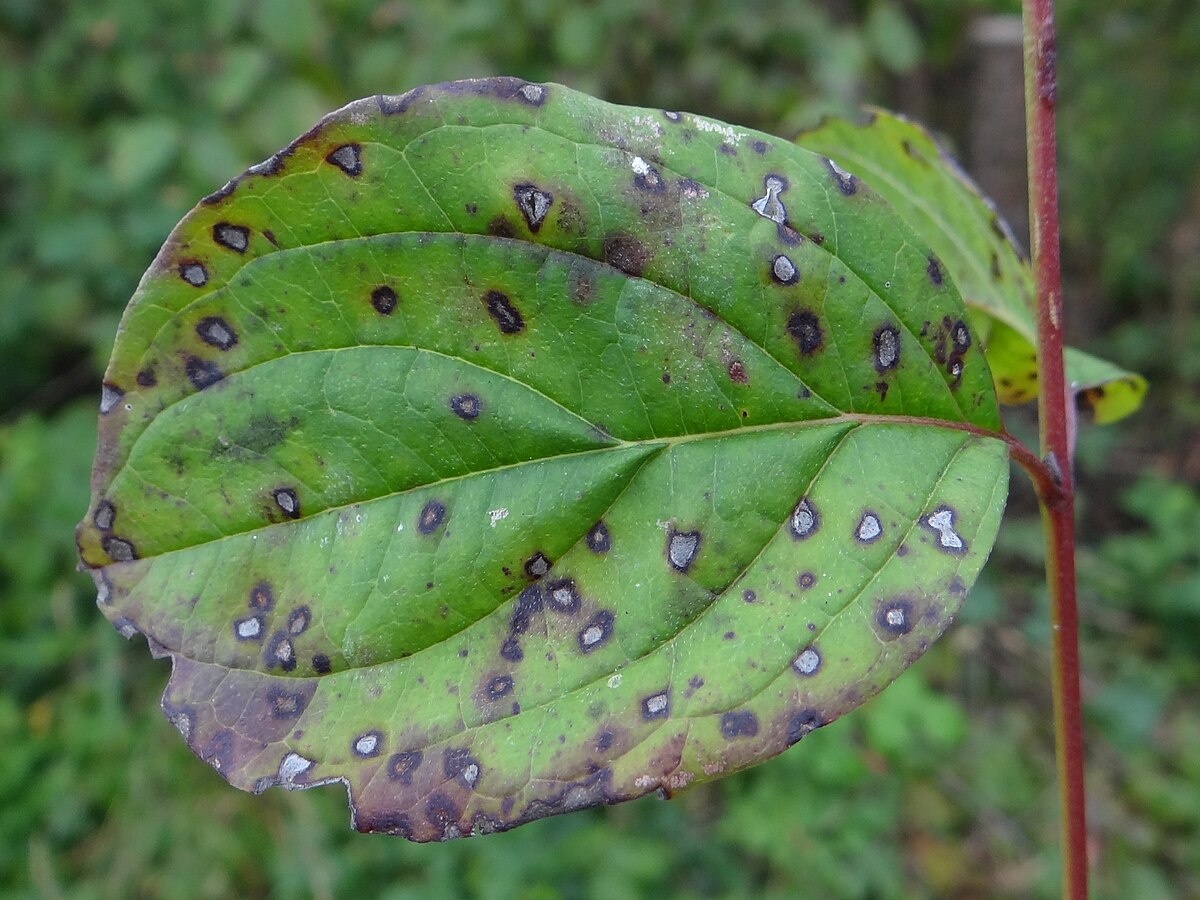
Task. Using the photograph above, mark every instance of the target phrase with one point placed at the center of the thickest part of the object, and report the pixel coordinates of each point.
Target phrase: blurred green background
(118, 115)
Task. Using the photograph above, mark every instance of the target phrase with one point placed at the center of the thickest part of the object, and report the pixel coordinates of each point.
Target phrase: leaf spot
(621, 251)
(262, 597)
(846, 182)
(769, 206)
(432, 515)
(808, 662)
(321, 664)
(803, 722)
(896, 617)
(804, 326)
(529, 601)
(234, 237)
(202, 373)
(500, 308)
(783, 270)
(656, 706)
(466, 406)
(804, 521)
(384, 299)
(869, 528)
(193, 273)
(401, 766)
(597, 631)
(563, 596)
(806, 580)
(533, 94)
(280, 652)
(499, 687)
(118, 549)
(368, 744)
(287, 501)
(598, 539)
(348, 158)
(934, 270)
(537, 565)
(646, 177)
(110, 396)
(682, 547)
(215, 332)
(739, 723)
(292, 765)
(886, 342)
(104, 515)
(249, 629)
(298, 620)
(941, 523)
(285, 704)
(534, 204)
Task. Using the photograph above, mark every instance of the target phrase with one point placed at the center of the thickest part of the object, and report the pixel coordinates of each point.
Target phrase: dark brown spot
(384, 299)
(500, 308)
(118, 549)
(886, 346)
(202, 373)
(285, 704)
(499, 686)
(321, 664)
(604, 741)
(597, 631)
(537, 565)
(895, 617)
(806, 580)
(563, 596)
(934, 270)
(626, 253)
(682, 547)
(598, 539)
(287, 501)
(395, 104)
(433, 513)
(219, 751)
(401, 766)
(466, 406)
(348, 158)
(105, 515)
(737, 372)
(511, 650)
(803, 722)
(215, 332)
(534, 204)
(235, 237)
(805, 329)
(739, 723)
(146, 378)
(759, 147)
(748, 596)
(193, 272)
(727, 149)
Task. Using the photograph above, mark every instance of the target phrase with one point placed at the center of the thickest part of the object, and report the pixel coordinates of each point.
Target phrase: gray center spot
(769, 206)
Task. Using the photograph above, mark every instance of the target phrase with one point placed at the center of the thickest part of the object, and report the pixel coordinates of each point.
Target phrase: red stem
(1058, 510)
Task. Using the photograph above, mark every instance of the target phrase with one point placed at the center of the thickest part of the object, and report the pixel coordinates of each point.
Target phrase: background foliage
(118, 115)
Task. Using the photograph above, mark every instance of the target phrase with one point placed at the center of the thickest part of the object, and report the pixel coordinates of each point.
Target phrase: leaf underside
(498, 451)
(933, 194)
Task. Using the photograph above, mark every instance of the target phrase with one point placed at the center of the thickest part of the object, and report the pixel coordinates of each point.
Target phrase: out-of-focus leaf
(929, 189)
(497, 451)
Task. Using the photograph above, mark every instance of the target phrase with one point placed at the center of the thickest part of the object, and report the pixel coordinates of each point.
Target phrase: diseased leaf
(902, 161)
(497, 451)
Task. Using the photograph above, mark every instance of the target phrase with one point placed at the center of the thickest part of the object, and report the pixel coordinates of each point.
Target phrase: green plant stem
(1054, 423)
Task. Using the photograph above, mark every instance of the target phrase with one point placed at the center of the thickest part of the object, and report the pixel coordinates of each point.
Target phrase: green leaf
(497, 451)
(927, 187)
